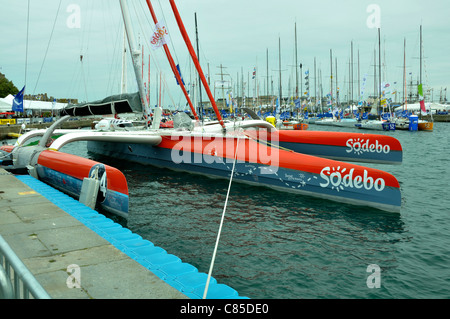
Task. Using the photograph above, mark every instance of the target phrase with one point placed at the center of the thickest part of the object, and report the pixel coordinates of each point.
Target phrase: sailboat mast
(315, 86)
(337, 87)
(135, 54)
(279, 66)
(196, 62)
(267, 75)
(379, 70)
(404, 75)
(375, 91)
(123, 85)
(359, 80)
(296, 63)
(420, 54)
(172, 64)
(331, 77)
(198, 54)
(420, 73)
(351, 78)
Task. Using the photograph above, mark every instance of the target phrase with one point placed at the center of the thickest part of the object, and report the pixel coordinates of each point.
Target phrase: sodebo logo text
(339, 180)
(359, 146)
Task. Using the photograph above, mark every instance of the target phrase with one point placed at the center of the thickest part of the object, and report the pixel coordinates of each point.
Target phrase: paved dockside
(49, 240)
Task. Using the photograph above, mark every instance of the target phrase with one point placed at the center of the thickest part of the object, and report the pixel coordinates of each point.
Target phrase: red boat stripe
(79, 168)
(328, 138)
(251, 151)
(7, 148)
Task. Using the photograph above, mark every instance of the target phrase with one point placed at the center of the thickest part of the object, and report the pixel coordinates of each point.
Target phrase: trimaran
(299, 162)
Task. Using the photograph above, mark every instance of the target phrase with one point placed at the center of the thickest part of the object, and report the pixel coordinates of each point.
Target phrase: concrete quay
(48, 240)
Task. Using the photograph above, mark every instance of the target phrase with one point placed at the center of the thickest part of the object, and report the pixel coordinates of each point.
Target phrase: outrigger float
(93, 183)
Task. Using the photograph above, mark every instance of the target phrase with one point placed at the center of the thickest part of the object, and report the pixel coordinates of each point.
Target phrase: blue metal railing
(23, 282)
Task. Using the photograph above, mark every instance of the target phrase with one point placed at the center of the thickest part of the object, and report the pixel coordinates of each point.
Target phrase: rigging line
(145, 15)
(221, 221)
(48, 46)
(114, 67)
(143, 30)
(84, 78)
(168, 30)
(26, 50)
(167, 91)
(147, 37)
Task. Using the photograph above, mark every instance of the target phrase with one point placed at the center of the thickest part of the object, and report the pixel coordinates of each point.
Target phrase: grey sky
(233, 33)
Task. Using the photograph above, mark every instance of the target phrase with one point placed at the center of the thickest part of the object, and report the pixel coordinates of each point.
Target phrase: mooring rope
(221, 222)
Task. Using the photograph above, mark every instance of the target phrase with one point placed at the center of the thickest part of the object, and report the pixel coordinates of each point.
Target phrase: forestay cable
(48, 46)
(221, 222)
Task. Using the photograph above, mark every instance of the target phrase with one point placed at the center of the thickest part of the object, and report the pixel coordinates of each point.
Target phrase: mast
(315, 86)
(421, 98)
(196, 62)
(123, 84)
(135, 54)
(379, 70)
(375, 91)
(279, 65)
(198, 54)
(359, 81)
(172, 64)
(351, 78)
(404, 75)
(331, 77)
(337, 87)
(148, 83)
(420, 78)
(267, 75)
(296, 63)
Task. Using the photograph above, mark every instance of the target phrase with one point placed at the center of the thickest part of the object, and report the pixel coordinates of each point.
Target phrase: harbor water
(276, 245)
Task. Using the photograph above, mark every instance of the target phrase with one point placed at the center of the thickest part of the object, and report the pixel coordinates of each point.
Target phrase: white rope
(221, 224)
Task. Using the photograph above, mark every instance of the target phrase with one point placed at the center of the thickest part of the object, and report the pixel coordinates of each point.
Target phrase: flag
(160, 36)
(277, 110)
(421, 98)
(254, 73)
(179, 72)
(17, 104)
(229, 100)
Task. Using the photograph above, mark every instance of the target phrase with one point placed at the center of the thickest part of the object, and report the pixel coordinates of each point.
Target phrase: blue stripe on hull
(114, 202)
(344, 153)
(252, 173)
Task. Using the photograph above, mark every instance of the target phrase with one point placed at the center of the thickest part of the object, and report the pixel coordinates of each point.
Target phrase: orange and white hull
(425, 126)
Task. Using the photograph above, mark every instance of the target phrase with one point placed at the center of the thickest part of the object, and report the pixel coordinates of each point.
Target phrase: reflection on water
(273, 244)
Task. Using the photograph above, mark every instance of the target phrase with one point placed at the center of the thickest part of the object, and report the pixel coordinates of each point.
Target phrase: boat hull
(376, 125)
(278, 169)
(66, 172)
(342, 146)
(425, 126)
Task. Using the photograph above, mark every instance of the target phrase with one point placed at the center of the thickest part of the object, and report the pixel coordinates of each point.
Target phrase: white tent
(6, 105)
(428, 106)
